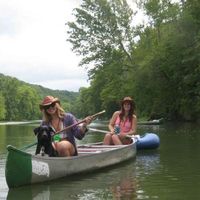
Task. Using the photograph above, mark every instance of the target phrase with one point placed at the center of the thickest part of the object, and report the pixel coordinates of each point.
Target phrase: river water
(170, 172)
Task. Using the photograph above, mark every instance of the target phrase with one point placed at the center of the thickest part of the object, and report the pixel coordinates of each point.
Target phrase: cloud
(33, 45)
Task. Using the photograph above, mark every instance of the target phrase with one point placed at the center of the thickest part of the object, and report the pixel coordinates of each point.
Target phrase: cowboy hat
(129, 99)
(48, 100)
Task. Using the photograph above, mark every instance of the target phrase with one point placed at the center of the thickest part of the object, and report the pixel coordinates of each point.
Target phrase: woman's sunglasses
(49, 106)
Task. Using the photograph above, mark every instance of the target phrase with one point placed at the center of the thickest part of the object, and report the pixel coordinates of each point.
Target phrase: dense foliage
(20, 100)
(157, 62)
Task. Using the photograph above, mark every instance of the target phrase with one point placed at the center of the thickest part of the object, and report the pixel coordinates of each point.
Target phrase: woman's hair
(131, 111)
(60, 112)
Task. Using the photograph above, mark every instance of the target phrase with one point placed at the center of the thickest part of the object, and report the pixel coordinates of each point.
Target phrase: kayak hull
(148, 141)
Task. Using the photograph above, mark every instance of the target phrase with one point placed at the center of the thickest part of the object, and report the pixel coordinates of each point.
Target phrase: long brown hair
(131, 111)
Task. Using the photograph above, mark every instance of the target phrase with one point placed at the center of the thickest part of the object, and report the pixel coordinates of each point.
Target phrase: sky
(33, 46)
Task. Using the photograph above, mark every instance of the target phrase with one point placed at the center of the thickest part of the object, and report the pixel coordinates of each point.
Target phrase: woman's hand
(87, 120)
(112, 132)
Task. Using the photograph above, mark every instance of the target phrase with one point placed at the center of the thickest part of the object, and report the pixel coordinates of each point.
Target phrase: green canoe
(23, 168)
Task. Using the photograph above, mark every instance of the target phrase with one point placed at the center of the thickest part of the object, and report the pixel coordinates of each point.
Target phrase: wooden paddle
(80, 122)
(28, 146)
(68, 127)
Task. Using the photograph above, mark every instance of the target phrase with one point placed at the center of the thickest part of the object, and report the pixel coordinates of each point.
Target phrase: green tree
(20, 100)
(160, 70)
(9, 91)
(103, 34)
(100, 27)
(2, 107)
(27, 101)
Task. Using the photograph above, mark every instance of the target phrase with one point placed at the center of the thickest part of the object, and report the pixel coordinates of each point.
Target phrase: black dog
(44, 136)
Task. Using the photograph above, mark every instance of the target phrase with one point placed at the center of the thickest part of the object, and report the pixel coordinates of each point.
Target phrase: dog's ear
(36, 130)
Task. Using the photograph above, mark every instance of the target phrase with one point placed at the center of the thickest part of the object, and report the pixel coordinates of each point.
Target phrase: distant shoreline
(19, 122)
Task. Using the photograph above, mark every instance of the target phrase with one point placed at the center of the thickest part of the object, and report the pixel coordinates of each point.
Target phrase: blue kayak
(148, 141)
(145, 141)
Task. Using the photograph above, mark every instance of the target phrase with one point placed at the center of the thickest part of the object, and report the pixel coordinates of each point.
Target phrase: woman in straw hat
(55, 117)
(122, 123)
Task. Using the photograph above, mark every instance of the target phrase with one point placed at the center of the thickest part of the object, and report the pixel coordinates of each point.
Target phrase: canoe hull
(23, 168)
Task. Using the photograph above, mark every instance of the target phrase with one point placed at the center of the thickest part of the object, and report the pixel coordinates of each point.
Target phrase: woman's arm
(75, 131)
(87, 120)
(111, 125)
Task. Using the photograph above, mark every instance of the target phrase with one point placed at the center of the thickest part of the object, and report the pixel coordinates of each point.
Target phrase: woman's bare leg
(116, 140)
(65, 148)
(107, 139)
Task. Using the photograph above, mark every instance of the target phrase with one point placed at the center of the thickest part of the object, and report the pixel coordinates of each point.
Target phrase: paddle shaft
(80, 122)
(103, 131)
(28, 146)
(97, 130)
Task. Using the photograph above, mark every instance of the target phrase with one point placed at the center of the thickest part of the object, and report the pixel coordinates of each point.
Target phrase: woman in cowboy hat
(55, 117)
(122, 123)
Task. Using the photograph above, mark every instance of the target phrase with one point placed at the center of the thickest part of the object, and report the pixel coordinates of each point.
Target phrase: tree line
(156, 62)
(20, 100)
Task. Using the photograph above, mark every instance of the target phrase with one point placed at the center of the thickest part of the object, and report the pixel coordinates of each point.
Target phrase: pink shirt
(125, 126)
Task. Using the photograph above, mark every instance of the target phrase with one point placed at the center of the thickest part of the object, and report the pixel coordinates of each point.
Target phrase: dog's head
(43, 134)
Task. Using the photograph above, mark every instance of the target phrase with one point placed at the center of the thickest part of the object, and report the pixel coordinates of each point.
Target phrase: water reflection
(124, 189)
(147, 166)
(117, 182)
(148, 161)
